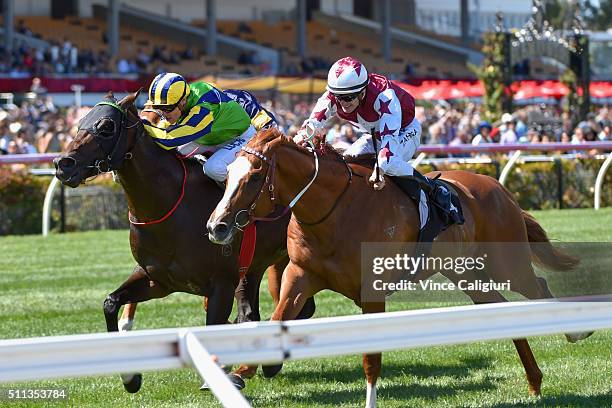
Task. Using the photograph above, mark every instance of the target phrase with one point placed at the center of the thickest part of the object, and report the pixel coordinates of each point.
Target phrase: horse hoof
(270, 371)
(133, 386)
(535, 391)
(237, 381)
(234, 379)
(576, 337)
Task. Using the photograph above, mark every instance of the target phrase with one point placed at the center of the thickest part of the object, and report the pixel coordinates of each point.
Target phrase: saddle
(442, 211)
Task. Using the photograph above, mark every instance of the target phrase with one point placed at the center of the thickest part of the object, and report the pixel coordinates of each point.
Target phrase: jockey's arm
(196, 124)
(323, 111)
(388, 106)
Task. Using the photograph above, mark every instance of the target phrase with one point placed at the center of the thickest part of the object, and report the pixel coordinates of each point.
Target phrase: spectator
(508, 135)
(605, 133)
(484, 133)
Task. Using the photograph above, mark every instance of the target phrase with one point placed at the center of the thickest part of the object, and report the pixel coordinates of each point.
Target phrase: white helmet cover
(347, 76)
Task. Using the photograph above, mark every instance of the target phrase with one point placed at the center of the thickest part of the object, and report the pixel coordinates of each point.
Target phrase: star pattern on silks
(386, 152)
(320, 116)
(384, 108)
(386, 131)
(348, 63)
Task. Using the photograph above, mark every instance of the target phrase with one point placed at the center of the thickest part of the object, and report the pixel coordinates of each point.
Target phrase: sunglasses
(346, 98)
(165, 108)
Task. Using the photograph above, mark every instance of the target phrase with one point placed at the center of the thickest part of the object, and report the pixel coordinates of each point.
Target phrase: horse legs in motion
(137, 288)
(304, 310)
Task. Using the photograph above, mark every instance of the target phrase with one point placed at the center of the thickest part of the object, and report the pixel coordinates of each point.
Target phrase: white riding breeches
(223, 154)
(393, 151)
(393, 155)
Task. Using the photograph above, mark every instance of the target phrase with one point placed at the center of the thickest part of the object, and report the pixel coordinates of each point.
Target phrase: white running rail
(271, 342)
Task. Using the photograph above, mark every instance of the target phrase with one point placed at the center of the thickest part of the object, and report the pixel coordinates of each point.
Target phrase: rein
(269, 179)
(173, 209)
(111, 159)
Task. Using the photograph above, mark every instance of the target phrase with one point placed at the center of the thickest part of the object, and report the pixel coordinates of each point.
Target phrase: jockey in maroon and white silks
(369, 101)
(374, 104)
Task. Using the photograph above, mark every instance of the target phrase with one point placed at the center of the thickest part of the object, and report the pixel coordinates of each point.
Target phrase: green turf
(56, 286)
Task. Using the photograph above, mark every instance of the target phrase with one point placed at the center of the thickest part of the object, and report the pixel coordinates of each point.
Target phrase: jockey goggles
(165, 108)
(346, 97)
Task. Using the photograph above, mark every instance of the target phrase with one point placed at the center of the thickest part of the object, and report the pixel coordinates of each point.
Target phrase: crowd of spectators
(66, 58)
(448, 124)
(63, 57)
(36, 125)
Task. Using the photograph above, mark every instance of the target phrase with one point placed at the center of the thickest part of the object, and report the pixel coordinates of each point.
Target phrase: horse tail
(542, 251)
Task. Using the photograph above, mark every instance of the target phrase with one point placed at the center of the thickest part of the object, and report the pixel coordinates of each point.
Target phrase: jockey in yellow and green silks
(198, 118)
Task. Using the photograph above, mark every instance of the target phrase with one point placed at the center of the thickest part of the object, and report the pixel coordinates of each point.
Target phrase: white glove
(306, 134)
(300, 137)
(377, 184)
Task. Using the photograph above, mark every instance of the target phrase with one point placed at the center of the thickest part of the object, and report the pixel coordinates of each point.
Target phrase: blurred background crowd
(38, 126)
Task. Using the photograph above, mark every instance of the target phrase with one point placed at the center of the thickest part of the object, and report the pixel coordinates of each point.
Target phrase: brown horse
(168, 198)
(334, 210)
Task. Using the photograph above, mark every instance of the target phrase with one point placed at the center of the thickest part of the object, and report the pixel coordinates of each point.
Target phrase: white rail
(424, 150)
(270, 342)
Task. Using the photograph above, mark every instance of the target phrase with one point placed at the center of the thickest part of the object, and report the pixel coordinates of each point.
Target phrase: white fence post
(192, 351)
(600, 178)
(46, 215)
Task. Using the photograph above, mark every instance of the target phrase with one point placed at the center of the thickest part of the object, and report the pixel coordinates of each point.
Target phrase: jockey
(261, 118)
(371, 101)
(198, 118)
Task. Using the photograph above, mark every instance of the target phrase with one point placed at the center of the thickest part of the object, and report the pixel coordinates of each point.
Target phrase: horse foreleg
(297, 286)
(534, 375)
(247, 297)
(275, 275)
(247, 303)
(372, 362)
(218, 308)
(137, 288)
(126, 322)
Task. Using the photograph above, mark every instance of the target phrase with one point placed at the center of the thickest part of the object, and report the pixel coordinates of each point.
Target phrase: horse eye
(105, 128)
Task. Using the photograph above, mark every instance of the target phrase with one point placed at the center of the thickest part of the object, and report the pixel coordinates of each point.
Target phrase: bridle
(114, 159)
(269, 181)
(112, 147)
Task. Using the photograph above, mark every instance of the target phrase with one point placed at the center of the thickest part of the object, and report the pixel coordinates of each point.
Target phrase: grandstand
(325, 38)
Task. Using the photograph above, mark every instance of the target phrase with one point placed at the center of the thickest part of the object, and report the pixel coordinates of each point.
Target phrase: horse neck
(151, 179)
(295, 169)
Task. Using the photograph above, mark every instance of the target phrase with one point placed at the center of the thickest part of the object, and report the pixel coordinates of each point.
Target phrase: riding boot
(441, 196)
(410, 186)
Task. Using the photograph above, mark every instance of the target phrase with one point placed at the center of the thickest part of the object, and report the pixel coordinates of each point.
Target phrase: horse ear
(110, 95)
(129, 99)
(137, 93)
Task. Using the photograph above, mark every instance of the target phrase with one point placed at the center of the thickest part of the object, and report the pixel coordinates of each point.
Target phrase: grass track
(56, 286)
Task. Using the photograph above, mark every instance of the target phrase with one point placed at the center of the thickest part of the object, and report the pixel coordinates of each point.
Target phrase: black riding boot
(440, 195)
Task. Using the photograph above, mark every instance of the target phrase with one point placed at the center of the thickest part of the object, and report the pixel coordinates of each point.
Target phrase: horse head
(250, 189)
(103, 141)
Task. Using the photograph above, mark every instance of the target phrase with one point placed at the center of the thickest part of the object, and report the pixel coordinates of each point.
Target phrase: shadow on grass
(564, 400)
(391, 371)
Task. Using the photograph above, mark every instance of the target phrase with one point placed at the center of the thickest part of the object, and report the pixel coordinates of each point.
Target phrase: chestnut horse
(169, 199)
(334, 210)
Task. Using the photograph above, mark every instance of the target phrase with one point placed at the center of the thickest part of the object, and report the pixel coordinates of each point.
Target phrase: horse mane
(273, 135)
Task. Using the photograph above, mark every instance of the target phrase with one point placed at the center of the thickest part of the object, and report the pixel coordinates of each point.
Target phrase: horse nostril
(220, 229)
(64, 163)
